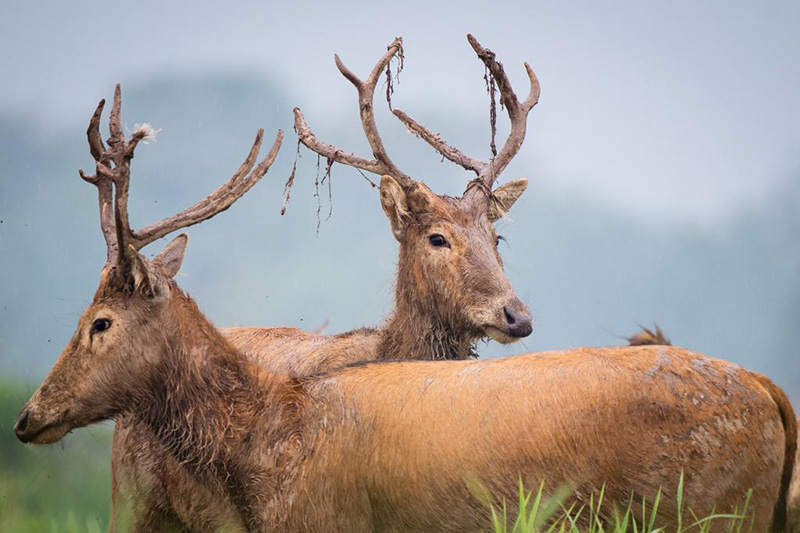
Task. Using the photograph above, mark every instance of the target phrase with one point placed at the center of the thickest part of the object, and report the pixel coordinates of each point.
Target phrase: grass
(550, 514)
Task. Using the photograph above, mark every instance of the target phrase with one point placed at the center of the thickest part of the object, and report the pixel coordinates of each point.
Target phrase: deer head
(449, 266)
(123, 331)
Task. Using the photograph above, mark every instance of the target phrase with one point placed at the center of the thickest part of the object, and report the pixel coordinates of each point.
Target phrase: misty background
(663, 158)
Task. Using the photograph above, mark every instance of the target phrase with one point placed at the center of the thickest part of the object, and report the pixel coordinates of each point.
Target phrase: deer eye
(100, 325)
(438, 241)
(499, 238)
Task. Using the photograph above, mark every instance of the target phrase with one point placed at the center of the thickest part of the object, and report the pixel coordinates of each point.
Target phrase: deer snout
(21, 426)
(519, 324)
(38, 427)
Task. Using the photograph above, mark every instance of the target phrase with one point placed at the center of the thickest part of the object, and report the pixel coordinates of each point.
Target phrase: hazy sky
(679, 111)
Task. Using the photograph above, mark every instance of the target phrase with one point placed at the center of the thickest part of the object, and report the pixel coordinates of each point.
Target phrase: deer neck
(415, 331)
(220, 415)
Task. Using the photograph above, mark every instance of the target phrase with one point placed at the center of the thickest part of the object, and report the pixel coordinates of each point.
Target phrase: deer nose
(21, 425)
(519, 325)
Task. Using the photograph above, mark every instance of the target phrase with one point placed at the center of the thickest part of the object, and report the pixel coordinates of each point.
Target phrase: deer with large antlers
(450, 291)
(440, 233)
(395, 445)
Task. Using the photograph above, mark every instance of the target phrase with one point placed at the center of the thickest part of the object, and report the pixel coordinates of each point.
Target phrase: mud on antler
(486, 171)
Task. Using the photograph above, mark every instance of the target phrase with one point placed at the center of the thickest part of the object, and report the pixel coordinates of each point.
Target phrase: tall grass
(538, 513)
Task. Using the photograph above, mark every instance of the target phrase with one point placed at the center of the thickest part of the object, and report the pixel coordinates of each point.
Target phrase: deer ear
(421, 199)
(171, 258)
(395, 205)
(504, 198)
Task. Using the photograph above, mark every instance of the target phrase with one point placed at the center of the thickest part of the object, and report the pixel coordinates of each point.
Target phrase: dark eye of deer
(499, 238)
(100, 325)
(438, 241)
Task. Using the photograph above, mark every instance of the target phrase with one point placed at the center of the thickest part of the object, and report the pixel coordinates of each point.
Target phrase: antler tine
(382, 164)
(328, 151)
(535, 90)
(96, 146)
(121, 174)
(101, 180)
(115, 120)
(219, 200)
(366, 96)
(440, 145)
(487, 172)
(517, 113)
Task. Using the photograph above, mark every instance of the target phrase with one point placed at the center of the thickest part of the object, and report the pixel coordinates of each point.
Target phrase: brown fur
(787, 510)
(445, 300)
(790, 432)
(793, 504)
(394, 446)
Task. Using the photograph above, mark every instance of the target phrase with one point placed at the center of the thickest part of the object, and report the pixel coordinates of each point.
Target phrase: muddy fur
(443, 300)
(790, 429)
(394, 446)
(647, 337)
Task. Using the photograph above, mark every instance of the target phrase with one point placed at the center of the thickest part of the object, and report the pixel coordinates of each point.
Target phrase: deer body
(394, 446)
(413, 436)
(152, 491)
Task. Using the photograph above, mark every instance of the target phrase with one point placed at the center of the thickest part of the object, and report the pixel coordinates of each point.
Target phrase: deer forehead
(454, 212)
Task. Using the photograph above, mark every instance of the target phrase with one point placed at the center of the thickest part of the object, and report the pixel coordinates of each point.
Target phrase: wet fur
(393, 446)
(432, 292)
(787, 509)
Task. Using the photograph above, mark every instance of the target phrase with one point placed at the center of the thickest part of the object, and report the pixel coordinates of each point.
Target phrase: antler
(113, 174)
(382, 164)
(103, 183)
(487, 172)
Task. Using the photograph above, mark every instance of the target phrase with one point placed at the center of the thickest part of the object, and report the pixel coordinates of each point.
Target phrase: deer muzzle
(30, 427)
(519, 324)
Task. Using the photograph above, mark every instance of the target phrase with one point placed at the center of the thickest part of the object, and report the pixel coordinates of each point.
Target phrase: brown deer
(450, 292)
(439, 315)
(395, 446)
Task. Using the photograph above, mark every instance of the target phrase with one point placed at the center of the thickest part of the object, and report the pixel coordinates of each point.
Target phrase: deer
(397, 445)
(450, 292)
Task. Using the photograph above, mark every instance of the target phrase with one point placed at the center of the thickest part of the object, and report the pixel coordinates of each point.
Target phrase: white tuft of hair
(145, 132)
